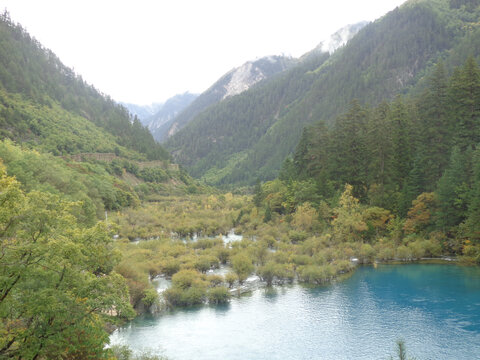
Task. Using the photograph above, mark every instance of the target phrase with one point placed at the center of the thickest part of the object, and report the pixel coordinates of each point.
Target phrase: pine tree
(258, 194)
(349, 153)
(401, 143)
(452, 191)
(435, 130)
(472, 223)
(379, 144)
(464, 94)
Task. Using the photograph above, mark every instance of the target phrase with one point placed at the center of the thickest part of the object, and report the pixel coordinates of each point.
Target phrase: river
(435, 309)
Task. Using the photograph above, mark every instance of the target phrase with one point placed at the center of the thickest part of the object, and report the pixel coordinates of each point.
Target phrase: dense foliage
(248, 136)
(422, 152)
(57, 284)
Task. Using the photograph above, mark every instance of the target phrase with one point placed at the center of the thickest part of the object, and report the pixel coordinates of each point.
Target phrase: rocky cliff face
(244, 77)
(341, 37)
(336, 40)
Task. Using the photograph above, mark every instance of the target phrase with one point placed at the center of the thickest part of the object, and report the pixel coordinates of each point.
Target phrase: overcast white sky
(145, 51)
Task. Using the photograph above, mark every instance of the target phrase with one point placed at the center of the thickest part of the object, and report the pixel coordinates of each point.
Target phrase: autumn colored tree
(348, 222)
(421, 214)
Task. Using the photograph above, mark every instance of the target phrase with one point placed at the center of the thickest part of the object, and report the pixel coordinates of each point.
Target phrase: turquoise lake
(435, 309)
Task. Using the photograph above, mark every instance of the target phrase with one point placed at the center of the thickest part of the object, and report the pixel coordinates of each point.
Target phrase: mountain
(232, 83)
(339, 38)
(142, 111)
(166, 114)
(248, 136)
(34, 81)
(59, 135)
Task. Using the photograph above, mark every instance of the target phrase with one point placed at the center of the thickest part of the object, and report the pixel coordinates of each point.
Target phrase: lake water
(435, 309)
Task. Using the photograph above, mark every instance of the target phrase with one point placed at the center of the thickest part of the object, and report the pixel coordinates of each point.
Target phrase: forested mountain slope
(412, 164)
(59, 135)
(248, 137)
(232, 83)
(38, 92)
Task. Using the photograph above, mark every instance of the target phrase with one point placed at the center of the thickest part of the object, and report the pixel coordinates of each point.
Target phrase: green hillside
(45, 103)
(60, 135)
(249, 136)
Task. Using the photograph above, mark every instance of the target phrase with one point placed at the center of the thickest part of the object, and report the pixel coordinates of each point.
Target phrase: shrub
(269, 271)
(150, 297)
(297, 236)
(193, 296)
(185, 279)
(202, 264)
(231, 278)
(343, 266)
(207, 243)
(404, 253)
(173, 296)
(215, 280)
(222, 254)
(184, 297)
(218, 295)
(242, 265)
(170, 267)
(317, 274)
(366, 253)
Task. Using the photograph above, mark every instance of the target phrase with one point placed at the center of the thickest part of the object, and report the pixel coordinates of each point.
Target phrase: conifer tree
(435, 130)
(401, 143)
(452, 191)
(350, 160)
(465, 104)
(379, 144)
(472, 223)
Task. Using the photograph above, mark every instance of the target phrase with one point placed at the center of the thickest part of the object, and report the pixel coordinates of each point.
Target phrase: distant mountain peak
(167, 112)
(142, 111)
(340, 38)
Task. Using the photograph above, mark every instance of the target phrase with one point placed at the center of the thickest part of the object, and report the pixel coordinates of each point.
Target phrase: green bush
(316, 275)
(170, 267)
(271, 271)
(242, 265)
(215, 280)
(150, 297)
(218, 295)
(231, 278)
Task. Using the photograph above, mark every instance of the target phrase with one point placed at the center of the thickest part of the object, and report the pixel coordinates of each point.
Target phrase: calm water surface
(434, 308)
